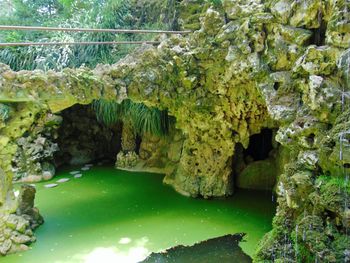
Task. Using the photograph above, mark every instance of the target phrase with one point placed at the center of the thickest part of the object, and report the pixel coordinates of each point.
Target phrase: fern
(142, 118)
(107, 112)
(4, 112)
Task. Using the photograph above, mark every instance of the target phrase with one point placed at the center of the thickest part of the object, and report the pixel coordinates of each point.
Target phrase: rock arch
(254, 67)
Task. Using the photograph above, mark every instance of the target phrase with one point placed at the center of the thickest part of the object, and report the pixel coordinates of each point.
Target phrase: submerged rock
(63, 180)
(50, 185)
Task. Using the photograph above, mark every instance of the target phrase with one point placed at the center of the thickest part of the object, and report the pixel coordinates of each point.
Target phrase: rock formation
(281, 64)
(16, 227)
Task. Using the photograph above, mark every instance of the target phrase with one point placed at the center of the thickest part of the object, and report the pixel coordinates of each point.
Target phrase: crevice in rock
(311, 139)
(319, 34)
(138, 141)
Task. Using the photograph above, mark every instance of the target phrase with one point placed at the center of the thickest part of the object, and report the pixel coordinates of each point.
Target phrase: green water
(110, 215)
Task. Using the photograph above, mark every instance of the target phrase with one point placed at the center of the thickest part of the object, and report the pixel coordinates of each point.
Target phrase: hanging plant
(4, 112)
(143, 119)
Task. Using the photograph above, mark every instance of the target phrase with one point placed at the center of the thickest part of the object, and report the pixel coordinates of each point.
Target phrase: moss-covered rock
(126, 160)
(251, 64)
(16, 227)
(259, 175)
(338, 27)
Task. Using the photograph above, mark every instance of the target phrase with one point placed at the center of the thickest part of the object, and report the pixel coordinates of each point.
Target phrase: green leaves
(4, 112)
(107, 112)
(148, 120)
(142, 118)
(77, 13)
(215, 2)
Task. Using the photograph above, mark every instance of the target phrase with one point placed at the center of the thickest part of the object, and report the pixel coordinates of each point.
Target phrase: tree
(135, 14)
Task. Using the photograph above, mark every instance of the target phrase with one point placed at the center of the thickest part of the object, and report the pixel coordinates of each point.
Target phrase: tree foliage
(129, 14)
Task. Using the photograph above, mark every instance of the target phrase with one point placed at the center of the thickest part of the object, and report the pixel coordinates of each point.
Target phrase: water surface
(111, 215)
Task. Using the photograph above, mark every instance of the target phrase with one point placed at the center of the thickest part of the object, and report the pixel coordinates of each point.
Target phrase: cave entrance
(82, 139)
(127, 134)
(256, 167)
(260, 145)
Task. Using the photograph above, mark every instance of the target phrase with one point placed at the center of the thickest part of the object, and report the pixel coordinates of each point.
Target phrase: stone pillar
(128, 138)
(204, 168)
(127, 157)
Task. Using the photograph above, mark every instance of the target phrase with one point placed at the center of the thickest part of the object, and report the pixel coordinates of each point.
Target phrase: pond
(111, 215)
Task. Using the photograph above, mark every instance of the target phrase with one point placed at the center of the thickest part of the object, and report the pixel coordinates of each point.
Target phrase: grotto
(246, 118)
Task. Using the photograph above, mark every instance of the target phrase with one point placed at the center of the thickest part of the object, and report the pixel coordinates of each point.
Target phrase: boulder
(26, 206)
(126, 160)
(258, 175)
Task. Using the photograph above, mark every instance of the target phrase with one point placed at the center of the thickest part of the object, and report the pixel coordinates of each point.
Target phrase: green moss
(264, 250)
(303, 253)
(330, 182)
(334, 142)
(341, 247)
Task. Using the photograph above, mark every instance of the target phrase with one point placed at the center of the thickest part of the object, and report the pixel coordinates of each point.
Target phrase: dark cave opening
(256, 167)
(260, 145)
(318, 37)
(138, 141)
(82, 139)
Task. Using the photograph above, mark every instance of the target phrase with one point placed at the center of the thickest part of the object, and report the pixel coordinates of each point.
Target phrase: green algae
(123, 216)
